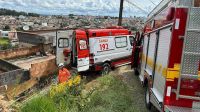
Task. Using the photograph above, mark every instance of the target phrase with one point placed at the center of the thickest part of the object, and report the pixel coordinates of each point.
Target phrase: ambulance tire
(147, 99)
(106, 69)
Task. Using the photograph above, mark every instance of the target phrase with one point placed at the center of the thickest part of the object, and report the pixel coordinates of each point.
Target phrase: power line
(144, 11)
(152, 2)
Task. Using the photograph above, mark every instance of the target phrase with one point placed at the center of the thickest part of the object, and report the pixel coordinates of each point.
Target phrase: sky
(80, 7)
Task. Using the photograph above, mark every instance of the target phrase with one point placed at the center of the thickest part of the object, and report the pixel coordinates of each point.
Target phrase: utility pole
(120, 12)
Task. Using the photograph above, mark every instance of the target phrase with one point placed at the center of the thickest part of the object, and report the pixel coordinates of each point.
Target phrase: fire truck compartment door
(162, 62)
(83, 52)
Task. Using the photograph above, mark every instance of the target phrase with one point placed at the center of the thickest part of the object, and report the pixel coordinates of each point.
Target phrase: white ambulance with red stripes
(100, 49)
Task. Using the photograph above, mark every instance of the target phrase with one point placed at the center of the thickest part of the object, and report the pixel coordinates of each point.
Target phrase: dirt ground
(138, 92)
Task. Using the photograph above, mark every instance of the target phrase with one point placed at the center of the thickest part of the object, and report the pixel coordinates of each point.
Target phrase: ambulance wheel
(106, 69)
(147, 99)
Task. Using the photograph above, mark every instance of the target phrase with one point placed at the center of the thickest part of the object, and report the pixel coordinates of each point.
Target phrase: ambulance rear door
(63, 41)
(82, 50)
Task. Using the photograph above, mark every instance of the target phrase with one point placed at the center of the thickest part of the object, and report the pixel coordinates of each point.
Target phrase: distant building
(44, 24)
(12, 35)
(4, 34)
(21, 17)
(28, 23)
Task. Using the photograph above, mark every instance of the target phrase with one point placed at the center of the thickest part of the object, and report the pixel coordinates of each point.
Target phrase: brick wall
(19, 52)
(43, 68)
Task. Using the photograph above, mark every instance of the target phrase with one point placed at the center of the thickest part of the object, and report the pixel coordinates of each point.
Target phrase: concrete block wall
(19, 52)
(13, 74)
(30, 38)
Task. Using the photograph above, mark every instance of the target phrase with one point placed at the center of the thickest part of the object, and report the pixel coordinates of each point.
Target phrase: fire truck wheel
(106, 69)
(147, 99)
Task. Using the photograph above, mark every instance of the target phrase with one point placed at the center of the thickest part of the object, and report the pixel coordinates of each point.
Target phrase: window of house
(121, 41)
(63, 42)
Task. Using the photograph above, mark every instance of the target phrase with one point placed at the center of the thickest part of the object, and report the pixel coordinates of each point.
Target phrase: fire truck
(166, 56)
(97, 49)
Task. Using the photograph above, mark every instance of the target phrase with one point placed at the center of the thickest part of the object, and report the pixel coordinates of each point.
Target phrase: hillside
(16, 13)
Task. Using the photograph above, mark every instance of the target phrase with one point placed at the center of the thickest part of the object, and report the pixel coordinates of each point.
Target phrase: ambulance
(166, 56)
(99, 49)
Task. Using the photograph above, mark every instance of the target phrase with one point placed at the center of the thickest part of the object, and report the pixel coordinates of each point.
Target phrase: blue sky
(84, 7)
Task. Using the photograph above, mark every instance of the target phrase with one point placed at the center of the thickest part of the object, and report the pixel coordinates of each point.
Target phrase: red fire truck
(98, 49)
(167, 56)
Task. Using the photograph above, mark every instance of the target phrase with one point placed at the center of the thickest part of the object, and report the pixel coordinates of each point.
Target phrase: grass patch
(5, 44)
(4, 41)
(113, 95)
(40, 104)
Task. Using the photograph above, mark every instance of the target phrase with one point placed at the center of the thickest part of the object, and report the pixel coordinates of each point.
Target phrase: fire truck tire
(147, 99)
(106, 69)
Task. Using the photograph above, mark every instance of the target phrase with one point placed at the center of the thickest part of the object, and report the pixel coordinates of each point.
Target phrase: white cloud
(92, 7)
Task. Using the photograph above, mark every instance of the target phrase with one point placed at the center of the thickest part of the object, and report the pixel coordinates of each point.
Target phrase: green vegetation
(6, 28)
(108, 94)
(113, 95)
(4, 12)
(4, 43)
(40, 104)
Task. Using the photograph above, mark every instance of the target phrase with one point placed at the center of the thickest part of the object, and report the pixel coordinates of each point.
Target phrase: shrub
(113, 95)
(40, 104)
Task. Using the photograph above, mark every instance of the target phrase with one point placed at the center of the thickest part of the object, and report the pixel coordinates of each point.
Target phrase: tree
(6, 28)
(71, 16)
